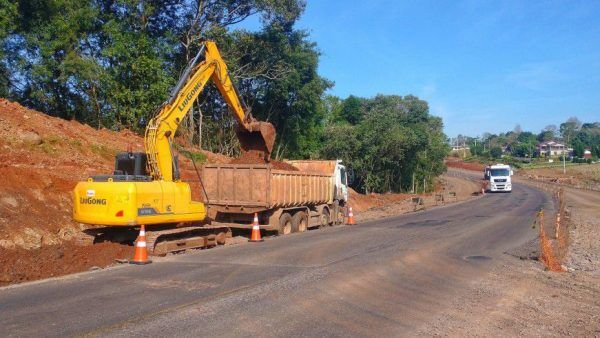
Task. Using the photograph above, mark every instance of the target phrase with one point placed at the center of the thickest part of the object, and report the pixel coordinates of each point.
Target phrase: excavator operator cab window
(343, 176)
(133, 164)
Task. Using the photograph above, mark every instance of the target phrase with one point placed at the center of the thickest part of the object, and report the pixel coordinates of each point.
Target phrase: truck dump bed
(250, 188)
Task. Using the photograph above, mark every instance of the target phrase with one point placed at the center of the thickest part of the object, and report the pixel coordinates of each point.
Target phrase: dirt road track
(423, 273)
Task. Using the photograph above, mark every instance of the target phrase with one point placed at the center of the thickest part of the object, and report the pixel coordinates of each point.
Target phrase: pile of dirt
(361, 202)
(453, 162)
(251, 157)
(20, 265)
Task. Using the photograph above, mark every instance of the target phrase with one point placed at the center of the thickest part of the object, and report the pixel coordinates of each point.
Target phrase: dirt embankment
(20, 265)
(453, 187)
(453, 162)
(41, 160)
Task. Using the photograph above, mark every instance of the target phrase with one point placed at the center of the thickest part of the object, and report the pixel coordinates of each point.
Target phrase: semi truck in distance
(497, 177)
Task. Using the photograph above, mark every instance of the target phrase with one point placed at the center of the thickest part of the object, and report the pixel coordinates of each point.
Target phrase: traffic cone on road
(350, 216)
(255, 236)
(141, 252)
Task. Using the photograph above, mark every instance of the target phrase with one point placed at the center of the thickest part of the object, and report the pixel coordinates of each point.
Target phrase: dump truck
(285, 201)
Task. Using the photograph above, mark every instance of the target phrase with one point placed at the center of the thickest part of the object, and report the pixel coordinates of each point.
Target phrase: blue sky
(481, 65)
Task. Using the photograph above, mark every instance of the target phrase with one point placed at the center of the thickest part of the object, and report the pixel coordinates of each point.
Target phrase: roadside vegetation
(578, 142)
(392, 142)
(111, 64)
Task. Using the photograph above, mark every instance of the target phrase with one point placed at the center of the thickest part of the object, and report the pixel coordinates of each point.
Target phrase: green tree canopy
(496, 152)
(395, 139)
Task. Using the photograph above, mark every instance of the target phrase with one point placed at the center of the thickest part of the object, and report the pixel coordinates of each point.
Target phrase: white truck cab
(341, 182)
(498, 177)
(341, 176)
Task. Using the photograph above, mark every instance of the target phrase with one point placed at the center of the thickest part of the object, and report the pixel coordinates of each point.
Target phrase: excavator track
(161, 242)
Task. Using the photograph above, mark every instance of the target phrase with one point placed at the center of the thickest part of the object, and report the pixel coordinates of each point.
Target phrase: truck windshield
(343, 175)
(500, 172)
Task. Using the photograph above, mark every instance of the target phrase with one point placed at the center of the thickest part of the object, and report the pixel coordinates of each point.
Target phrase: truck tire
(285, 224)
(324, 218)
(299, 222)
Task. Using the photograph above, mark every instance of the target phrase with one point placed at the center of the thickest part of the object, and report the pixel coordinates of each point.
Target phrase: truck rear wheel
(324, 218)
(299, 222)
(285, 224)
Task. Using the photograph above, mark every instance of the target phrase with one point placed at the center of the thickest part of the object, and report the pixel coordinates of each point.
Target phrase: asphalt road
(384, 277)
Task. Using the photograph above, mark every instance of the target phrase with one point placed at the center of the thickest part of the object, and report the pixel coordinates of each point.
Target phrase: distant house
(553, 149)
(587, 153)
(460, 147)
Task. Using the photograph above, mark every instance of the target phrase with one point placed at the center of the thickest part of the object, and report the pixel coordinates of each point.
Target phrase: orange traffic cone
(350, 216)
(141, 253)
(255, 236)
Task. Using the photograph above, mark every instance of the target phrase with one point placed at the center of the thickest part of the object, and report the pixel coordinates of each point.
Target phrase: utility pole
(564, 160)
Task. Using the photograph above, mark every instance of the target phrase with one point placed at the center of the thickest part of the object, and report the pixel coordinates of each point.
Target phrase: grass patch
(103, 151)
(75, 143)
(52, 140)
(47, 148)
(198, 158)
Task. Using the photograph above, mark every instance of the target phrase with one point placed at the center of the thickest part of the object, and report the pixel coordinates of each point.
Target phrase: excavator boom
(254, 136)
(156, 197)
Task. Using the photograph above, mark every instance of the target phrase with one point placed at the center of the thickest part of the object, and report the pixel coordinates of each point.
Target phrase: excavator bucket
(259, 138)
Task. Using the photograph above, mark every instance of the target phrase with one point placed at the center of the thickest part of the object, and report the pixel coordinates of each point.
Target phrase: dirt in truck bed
(256, 158)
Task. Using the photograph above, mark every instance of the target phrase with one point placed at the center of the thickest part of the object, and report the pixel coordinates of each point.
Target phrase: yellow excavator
(146, 188)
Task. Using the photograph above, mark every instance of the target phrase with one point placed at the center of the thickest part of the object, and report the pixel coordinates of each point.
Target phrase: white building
(553, 149)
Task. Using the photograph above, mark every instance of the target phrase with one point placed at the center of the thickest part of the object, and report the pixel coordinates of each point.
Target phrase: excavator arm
(254, 136)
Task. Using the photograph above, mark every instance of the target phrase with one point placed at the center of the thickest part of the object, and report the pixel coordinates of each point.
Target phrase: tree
(550, 127)
(521, 150)
(395, 144)
(351, 109)
(332, 106)
(476, 149)
(112, 63)
(8, 14)
(527, 137)
(578, 148)
(292, 101)
(569, 129)
(546, 135)
(496, 152)
(517, 129)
